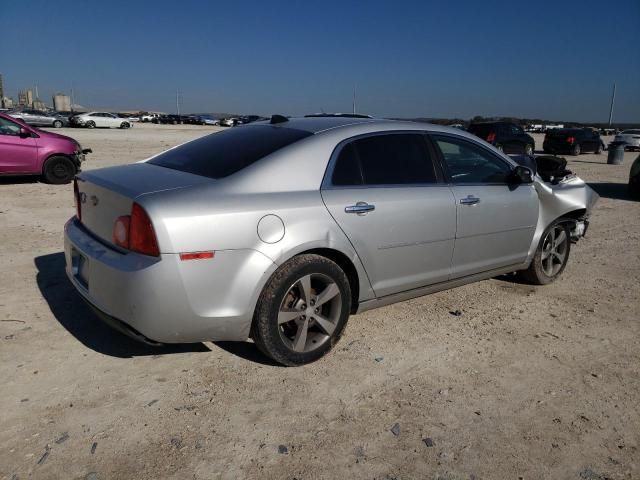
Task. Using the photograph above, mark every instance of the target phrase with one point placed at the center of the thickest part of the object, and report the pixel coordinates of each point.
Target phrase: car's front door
(496, 218)
(18, 154)
(386, 194)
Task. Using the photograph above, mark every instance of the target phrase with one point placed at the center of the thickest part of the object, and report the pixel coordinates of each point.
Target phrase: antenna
(613, 99)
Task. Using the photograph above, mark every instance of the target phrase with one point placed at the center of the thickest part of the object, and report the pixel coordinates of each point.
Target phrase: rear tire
(528, 150)
(58, 170)
(575, 151)
(598, 149)
(499, 147)
(302, 311)
(551, 256)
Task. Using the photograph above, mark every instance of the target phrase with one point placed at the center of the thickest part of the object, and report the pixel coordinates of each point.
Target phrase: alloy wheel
(309, 313)
(554, 250)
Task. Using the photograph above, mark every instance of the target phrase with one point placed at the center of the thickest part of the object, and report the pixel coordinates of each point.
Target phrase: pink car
(25, 150)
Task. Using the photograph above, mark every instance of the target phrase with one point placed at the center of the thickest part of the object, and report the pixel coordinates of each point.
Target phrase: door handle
(361, 208)
(469, 200)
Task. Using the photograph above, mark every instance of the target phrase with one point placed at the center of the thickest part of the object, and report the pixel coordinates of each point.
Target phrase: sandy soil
(527, 383)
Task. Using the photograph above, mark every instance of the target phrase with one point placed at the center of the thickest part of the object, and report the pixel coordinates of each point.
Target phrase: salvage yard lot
(505, 380)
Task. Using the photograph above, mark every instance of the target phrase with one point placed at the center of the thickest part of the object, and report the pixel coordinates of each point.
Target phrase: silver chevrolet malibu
(279, 230)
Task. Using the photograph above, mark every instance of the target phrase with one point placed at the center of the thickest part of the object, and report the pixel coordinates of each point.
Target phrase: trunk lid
(108, 193)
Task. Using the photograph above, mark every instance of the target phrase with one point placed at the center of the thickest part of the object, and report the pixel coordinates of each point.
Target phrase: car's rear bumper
(164, 299)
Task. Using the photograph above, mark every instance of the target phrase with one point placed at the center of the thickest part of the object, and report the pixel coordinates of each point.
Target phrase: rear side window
(395, 159)
(222, 154)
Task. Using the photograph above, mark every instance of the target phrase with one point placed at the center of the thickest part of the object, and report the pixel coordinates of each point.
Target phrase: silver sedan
(280, 230)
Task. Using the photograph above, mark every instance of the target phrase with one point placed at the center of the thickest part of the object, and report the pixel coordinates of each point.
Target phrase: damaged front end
(562, 194)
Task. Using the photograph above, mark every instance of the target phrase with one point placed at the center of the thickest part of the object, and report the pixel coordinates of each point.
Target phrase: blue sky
(555, 60)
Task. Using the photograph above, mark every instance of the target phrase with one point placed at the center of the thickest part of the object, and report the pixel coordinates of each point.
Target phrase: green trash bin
(615, 154)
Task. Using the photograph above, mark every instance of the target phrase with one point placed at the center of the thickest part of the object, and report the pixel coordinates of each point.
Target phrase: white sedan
(100, 119)
(630, 137)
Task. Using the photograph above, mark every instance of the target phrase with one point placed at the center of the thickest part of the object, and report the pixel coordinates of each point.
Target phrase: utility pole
(177, 103)
(354, 98)
(613, 99)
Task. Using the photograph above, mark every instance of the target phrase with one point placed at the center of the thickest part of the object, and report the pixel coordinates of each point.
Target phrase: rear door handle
(361, 208)
(469, 200)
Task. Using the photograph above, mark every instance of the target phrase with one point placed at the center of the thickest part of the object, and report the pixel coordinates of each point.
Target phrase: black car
(172, 119)
(505, 136)
(572, 141)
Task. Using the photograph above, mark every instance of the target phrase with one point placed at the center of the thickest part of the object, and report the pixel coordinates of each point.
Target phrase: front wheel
(57, 124)
(91, 124)
(500, 147)
(125, 125)
(551, 255)
(528, 150)
(598, 149)
(302, 310)
(58, 170)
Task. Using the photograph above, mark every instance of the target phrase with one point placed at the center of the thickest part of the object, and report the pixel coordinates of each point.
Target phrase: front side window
(469, 163)
(389, 159)
(7, 127)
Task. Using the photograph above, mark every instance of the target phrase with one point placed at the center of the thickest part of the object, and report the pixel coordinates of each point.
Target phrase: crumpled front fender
(570, 195)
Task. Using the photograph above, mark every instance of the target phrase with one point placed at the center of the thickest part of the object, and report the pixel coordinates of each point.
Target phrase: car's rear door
(386, 194)
(496, 219)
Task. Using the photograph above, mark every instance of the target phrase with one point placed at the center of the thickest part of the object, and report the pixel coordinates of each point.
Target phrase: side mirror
(522, 174)
(24, 133)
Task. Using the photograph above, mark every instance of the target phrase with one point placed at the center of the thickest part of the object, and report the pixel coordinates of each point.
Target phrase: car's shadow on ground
(247, 351)
(616, 191)
(18, 180)
(74, 315)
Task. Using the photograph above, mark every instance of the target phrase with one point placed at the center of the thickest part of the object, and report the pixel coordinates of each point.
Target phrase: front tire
(57, 124)
(551, 256)
(91, 124)
(500, 147)
(302, 311)
(58, 170)
(125, 125)
(598, 149)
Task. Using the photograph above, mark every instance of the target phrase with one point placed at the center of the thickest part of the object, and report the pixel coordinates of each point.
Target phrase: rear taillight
(76, 199)
(135, 232)
(571, 140)
(491, 137)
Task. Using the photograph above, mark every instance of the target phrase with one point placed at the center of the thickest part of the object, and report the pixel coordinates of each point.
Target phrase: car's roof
(319, 124)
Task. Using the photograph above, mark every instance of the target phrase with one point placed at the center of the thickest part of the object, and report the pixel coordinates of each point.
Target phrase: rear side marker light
(196, 255)
(491, 137)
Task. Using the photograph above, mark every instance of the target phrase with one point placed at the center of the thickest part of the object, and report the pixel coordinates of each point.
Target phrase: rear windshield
(222, 154)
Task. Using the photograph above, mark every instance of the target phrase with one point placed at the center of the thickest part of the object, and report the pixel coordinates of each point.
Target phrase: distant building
(39, 105)
(25, 98)
(61, 103)
(7, 102)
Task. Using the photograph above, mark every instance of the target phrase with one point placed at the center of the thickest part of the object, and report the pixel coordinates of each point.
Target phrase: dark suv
(572, 141)
(505, 136)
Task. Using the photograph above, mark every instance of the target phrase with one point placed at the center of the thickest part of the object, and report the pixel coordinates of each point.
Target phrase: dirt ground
(527, 383)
